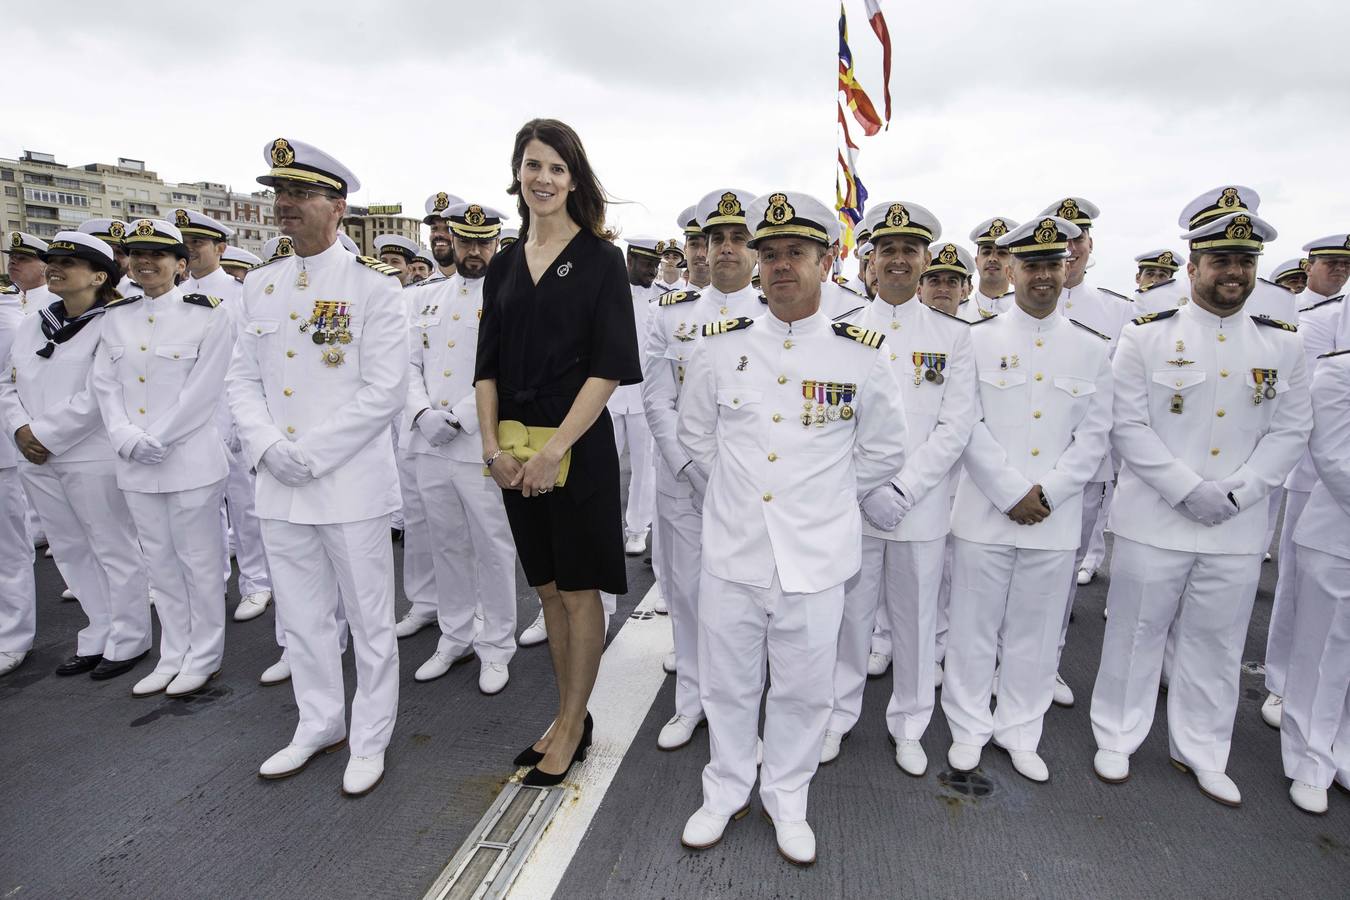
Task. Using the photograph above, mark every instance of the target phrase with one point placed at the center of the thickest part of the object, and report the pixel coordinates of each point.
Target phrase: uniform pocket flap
(176, 351)
(262, 326)
(736, 397)
(1003, 379)
(1179, 379)
(1078, 387)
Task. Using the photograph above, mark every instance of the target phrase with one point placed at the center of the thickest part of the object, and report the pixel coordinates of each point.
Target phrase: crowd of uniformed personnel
(912, 469)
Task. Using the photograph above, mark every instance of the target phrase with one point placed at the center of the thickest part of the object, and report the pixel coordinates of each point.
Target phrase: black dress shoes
(109, 668)
(78, 665)
(532, 757)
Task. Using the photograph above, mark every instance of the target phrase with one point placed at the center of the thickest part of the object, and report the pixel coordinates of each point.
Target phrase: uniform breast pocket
(1270, 392)
(1078, 390)
(1001, 393)
(1172, 389)
(115, 354)
(173, 362)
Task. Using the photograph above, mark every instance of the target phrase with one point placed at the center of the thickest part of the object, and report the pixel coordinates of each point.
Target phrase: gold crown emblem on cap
(117, 231)
(474, 215)
(1166, 258)
(897, 216)
(1047, 232)
(1228, 199)
(282, 154)
(948, 255)
(1306, 264)
(441, 202)
(998, 228)
(779, 210)
(1068, 209)
(660, 246)
(1347, 242)
(729, 205)
(145, 228)
(180, 218)
(16, 240)
(1240, 229)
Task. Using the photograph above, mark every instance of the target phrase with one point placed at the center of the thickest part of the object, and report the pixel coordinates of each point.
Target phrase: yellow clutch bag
(524, 441)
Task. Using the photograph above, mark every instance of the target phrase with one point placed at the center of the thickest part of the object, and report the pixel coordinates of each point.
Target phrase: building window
(11, 192)
(6, 174)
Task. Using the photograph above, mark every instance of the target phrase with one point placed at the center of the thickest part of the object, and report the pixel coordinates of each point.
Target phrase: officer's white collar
(173, 293)
(1019, 318)
(906, 310)
(815, 320)
(1206, 318)
(1311, 297)
(334, 255)
(711, 289)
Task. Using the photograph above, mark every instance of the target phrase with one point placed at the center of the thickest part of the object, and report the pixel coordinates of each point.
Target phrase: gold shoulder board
(670, 298)
(857, 333)
(371, 262)
(202, 300)
(725, 326)
(1274, 323)
(1155, 317)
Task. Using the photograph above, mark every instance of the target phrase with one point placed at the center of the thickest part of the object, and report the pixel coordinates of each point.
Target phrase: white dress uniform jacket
(160, 370)
(1043, 416)
(18, 619)
(37, 299)
(977, 307)
(443, 346)
(1267, 299)
(1185, 412)
(627, 398)
(335, 401)
(783, 497)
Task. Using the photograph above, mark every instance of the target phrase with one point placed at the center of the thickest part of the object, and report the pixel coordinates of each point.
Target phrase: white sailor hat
(396, 243)
(23, 244)
(671, 245)
(865, 247)
(194, 224)
(790, 214)
(1159, 259)
(1331, 245)
(474, 222)
(1044, 238)
(688, 220)
(238, 258)
(347, 243)
(725, 206)
(95, 251)
(949, 257)
(990, 230)
(424, 254)
(110, 230)
(1296, 266)
(154, 234)
(1074, 209)
(509, 236)
(900, 217)
(277, 247)
(437, 204)
(1219, 202)
(644, 246)
(1234, 233)
(293, 160)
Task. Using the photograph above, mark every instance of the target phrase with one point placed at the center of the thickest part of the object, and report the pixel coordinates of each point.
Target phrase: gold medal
(302, 280)
(1176, 404)
(334, 357)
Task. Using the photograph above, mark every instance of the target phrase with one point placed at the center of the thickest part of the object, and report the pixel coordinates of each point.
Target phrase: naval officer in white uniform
(28, 272)
(18, 612)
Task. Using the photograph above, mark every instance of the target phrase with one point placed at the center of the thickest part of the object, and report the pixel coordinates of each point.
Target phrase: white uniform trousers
(474, 557)
(739, 629)
(881, 631)
(903, 576)
(240, 491)
(1215, 592)
(1094, 503)
(1273, 515)
(18, 599)
(419, 569)
(1096, 548)
(944, 598)
(1280, 637)
(678, 533)
(180, 536)
(1315, 727)
(632, 431)
(1016, 596)
(90, 530)
(314, 568)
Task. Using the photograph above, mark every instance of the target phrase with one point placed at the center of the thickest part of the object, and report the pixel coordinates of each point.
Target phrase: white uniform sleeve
(12, 414)
(111, 402)
(934, 458)
(66, 424)
(697, 422)
(248, 403)
(1279, 449)
(201, 395)
(879, 441)
(660, 394)
(1330, 441)
(417, 398)
(1091, 439)
(986, 462)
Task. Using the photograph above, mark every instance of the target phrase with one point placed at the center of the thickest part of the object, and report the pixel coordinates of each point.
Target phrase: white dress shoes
(963, 757)
(635, 544)
(1063, 693)
(668, 663)
(1029, 764)
(492, 678)
(411, 624)
(11, 659)
(362, 775)
(796, 842)
(439, 664)
(185, 685)
(252, 605)
(1308, 798)
(152, 684)
(536, 633)
(877, 664)
(937, 675)
(1217, 786)
(659, 605)
(704, 829)
(829, 750)
(1111, 766)
(1272, 711)
(278, 672)
(293, 758)
(911, 759)
(678, 732)
(1085, 576)
(67, 594)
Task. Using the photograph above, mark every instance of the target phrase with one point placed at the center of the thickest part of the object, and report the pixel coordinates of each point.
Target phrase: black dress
(540, 343)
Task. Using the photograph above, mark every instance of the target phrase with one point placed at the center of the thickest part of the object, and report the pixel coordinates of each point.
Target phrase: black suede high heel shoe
(531, 757)
(536, 777)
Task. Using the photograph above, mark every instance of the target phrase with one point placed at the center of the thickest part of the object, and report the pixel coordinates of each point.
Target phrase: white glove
(884, 507)
(232, 441)
(285, 461)
(148, 451)
(436, 428)
(1209, 505)
(697, 481)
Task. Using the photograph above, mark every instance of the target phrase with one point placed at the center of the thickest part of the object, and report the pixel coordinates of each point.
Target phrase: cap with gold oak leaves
(948, 257)
(990, 230)
(725, 206)
(901, 218)
(1044, 238)
(1159, 259)
(780, 214)
(297, 161)
(1217, 203)
(437, 204)
(1234, 233)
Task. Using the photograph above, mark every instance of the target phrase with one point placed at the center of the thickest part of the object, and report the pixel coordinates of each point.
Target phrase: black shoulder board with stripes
(1273, 323)
(1154, 317)
(1333, 353)
(202, 300)
(371, 262)
(857, 333)
(1089, 329)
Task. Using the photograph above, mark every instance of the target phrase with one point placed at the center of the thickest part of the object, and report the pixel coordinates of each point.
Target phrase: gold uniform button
(288, 392)
(1002, 382)
(1223, 373)
(723, 310)
(787, 345)
(290, 354)
(150, 319)
(1040, 377)
(1213, 451)
(294, 316)
(141, 379)
(141, 410)
(175, 356)
(1178, 384)
(782, 379)
(1223, 337)
(895, 324)
(777, 417)
(290, 429)
(455, 317)
(143, 348)
(1040, 343)
(446, 373)
(768, 497)
(773, 457)
(893, 357)
(445, 403)
(1035, 451)
(451, 344)
(1220, 414)
(1036, 414)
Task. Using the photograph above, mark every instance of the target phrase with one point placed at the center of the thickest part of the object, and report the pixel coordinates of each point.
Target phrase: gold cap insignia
(441, 202)
(779, 210)
(16, 240)
(284, 247)
(282, 154)
(660, 246)
(180, 218)
(1240, 229)
(948, 255)
(998, 228)
(1347, 242)
(145, 228)
(117, 231)
(1166, 258)
(1229, 199)
(1068, 209)
(897, 216)
(729, 205)
(474, 215)
(1306, 264)
(1047, 232)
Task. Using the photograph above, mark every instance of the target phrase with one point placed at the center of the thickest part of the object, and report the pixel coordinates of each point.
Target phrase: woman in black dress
(557, 336)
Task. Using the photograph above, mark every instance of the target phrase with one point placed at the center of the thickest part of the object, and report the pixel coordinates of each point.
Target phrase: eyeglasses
(293, 193)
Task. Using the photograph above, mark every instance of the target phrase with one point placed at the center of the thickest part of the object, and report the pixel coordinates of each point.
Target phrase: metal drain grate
(489, 860)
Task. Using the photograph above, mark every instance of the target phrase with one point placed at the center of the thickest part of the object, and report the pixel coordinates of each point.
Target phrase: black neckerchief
(57, 328)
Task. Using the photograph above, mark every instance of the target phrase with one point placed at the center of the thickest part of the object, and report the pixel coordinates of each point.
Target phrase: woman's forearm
(591, 399)
(485, 398)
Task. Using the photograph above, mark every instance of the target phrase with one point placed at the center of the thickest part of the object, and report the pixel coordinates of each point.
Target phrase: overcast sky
(1000, 108)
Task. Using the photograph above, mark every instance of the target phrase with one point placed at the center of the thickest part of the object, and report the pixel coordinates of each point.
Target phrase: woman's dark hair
(585, 204)
(107, 292)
